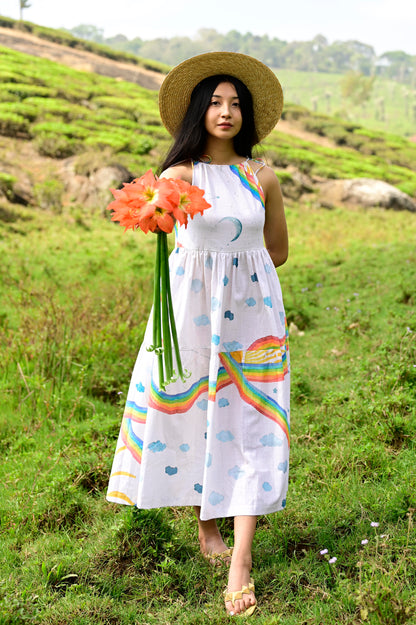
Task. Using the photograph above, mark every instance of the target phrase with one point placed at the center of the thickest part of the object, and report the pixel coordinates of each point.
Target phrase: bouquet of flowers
(154, 204)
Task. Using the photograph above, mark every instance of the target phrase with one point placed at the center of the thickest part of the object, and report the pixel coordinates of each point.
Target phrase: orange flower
(144, 203)
(154, 218)
(154, 204)
(191, 200)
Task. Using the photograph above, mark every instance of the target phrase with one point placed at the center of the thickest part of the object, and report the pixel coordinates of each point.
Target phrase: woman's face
(223, 118)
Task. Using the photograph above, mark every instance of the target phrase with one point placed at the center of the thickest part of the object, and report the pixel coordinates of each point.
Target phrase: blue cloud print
(236, 472)
(202, 320)
(196, 285)
(283, 466)
(171, 470)
(156, 446)
(270, 440)
(232, 346)
(225, 436)
(215, 498)
(215, 303)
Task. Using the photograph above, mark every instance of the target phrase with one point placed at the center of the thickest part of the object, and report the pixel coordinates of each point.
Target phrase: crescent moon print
(236, 222)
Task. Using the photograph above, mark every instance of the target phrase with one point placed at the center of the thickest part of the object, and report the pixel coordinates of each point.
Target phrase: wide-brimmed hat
(266, 91)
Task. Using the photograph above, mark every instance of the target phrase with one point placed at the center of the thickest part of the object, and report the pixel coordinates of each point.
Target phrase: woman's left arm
(275, 228)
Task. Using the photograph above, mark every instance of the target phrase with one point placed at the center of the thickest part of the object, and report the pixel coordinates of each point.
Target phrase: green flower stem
(173, 324)
(157, 337)
(164, 274)
(164, 326)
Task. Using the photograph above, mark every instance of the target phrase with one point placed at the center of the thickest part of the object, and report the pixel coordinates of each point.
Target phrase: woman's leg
(239, 575)
(209, 536)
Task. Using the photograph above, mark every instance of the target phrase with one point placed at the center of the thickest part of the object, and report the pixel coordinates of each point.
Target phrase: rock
(93, 191)
(365, 192)
(294, 330)
(23, 192)
(111, 176)
(296, 185)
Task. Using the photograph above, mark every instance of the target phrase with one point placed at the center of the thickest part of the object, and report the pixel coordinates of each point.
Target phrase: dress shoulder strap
(260, 163)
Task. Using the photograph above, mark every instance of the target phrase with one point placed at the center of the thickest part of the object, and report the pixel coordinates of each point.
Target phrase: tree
(23, 4)
(357, 87)
(88, 32)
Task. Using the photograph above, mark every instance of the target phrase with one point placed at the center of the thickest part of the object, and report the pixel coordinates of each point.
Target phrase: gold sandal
(238, 594)
(217, 559)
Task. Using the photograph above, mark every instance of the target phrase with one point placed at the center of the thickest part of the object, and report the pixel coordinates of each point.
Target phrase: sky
(385, 25)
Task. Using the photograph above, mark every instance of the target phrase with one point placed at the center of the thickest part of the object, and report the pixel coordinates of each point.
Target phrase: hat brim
(266, 91)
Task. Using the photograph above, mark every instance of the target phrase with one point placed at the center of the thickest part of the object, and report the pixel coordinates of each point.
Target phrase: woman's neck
(221, 152)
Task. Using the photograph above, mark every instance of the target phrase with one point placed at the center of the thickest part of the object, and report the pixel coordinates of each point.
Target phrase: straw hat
(266, 91)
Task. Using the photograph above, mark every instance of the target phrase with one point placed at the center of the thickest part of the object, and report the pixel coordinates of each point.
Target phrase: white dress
(219, 440)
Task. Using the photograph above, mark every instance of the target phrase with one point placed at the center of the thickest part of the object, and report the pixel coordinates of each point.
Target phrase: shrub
(107, 139)
(129, 106)
(56, 127)
(23, 91)
(48, 195)
(6, 184)
(12, 125)
(55, 146)
(56, 106)
(28, 111)
(294, 111)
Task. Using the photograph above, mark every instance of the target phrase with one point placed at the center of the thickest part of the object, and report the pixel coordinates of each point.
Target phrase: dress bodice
(235, 220)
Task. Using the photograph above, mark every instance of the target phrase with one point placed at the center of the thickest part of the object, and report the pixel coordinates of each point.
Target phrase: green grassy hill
(391, 107)
(74, 301)
(64, 112)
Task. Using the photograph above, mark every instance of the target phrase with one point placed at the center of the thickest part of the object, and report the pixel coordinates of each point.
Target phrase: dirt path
(290, 128)
(79, 59)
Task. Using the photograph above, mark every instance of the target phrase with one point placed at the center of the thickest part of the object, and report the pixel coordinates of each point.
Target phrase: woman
(219, 441)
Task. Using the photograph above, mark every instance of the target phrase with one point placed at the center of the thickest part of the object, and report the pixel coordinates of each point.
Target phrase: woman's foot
(211, 542)
(214, 548)
(239, 583)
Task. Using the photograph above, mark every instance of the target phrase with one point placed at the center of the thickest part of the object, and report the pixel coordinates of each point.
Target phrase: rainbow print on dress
(249, 181)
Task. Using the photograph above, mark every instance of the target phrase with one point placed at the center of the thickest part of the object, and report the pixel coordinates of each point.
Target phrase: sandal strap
(238, 594)
(221, 556)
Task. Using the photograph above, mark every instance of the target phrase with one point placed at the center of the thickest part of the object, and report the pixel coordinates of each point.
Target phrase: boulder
(295, 185)
(93, 190)
(364, 192)
(23, 192)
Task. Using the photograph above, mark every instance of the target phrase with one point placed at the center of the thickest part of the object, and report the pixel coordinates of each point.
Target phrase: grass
(75, 301)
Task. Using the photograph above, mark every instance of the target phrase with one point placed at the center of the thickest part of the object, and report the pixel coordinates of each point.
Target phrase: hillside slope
(79, 59)
(82, 123)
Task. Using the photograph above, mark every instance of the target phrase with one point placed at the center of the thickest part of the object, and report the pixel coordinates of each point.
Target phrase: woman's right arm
(182, 171)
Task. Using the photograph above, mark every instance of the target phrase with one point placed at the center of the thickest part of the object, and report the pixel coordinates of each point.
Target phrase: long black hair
(190, 140)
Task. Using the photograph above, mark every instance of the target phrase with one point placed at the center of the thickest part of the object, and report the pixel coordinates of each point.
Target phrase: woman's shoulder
(180, 170)
(262, 170)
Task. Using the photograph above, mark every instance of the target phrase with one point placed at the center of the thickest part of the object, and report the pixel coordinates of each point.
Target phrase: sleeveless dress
(219, 440)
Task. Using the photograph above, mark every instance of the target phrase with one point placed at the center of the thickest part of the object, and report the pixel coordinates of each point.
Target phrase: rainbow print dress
(219, 440)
